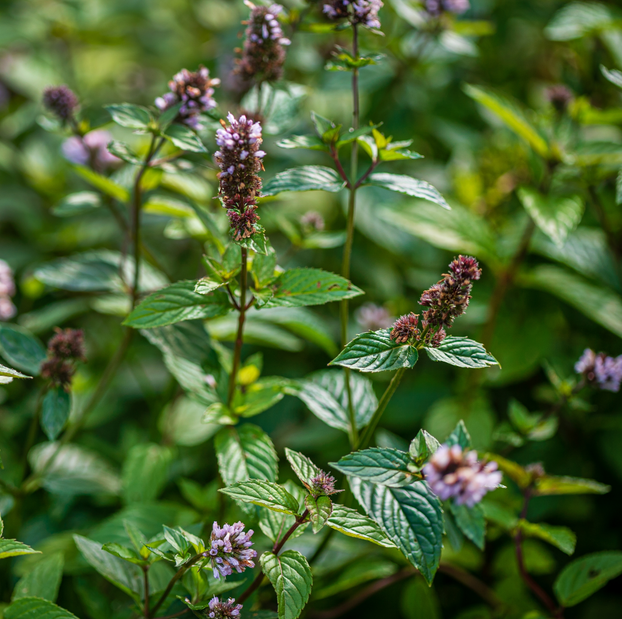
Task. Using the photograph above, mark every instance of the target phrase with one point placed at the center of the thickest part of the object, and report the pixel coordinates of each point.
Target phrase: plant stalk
(239, 340)
(180, 572)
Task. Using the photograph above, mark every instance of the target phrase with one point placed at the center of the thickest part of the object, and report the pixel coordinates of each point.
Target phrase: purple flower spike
(231, 549)
(600, 370)
(223, 610)
(61, 101)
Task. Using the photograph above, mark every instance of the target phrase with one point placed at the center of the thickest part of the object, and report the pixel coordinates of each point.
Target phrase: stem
(505, 281)
(146, 576)
(363, 178)
(239, 340)
(180, 572)
(529, 581)
(347, 253)
(384, 401)
(476, 585)
(278, 545)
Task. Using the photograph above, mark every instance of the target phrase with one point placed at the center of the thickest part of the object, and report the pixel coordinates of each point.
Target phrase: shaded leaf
(184, 138)
(305, 178)
(145, 472)
(43, 581)
(21, 349)
(103, 183)
(560, 537)
(408, 186)
(470, 521)
(130, 115)
(36, 608)
(550, 484)
(77, 204)
(55, 411)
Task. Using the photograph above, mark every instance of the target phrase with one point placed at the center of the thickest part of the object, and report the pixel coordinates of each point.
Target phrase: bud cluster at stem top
(194, 90)
(223, 610)
(363, 12)
(263, 55)
(436, 7)
(600, 370)
(323, 484)
(240, 159)
(61, 101)
(65, 348)
(231, 549)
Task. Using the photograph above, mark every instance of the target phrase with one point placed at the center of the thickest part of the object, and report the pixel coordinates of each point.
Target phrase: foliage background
(112, 50)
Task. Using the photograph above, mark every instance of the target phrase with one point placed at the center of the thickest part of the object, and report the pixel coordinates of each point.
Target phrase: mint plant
(173, 449)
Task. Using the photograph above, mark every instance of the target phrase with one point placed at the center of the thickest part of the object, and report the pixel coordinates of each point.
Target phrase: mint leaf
(462, 352)
(305, 178)
(349, 522)
(265, 494)
(381, 465)
(55, 411)
(408, 186)
(129, 115)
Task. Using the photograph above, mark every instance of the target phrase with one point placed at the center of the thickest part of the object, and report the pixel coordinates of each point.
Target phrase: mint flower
(452, 473)
(231, 549)
(363, 12)
(600, 370)
(372, 317)
(91, 149)
(405, 328)
(223, 610)
(65, 348)
(7, 290)
(436, 7)
(61, 101)
(322, 484)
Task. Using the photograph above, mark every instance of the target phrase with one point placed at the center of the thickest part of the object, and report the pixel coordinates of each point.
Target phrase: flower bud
(61, 101)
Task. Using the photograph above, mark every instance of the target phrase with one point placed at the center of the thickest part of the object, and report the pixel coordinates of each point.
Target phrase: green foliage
(36, 608)
(21, 348)
(306, 178)
(385, 466)
(55, 410)
(462, 352)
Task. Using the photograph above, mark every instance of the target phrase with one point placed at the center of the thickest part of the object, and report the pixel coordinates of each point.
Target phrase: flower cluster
(372, 317)
(599, 370)
(263, 55)
(223, 610)
(559, 96)
(194, 90)
(65, 348)
(322, 484)
(312, 221)
(7, 290)
(231, 549)
(61, 101)
(240, 159)
(436, 7)
(91, 149)
(450, 472)
(363, 12)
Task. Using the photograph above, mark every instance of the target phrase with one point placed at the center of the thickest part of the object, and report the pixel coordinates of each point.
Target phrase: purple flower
(559, 96)
(372, 317)
(600, 370)
(91, 149)
(405, 329)
(223, 610)
(240, 160)
(363, 12)
(322, 484)
(436, 7)
(7, 290)
(194, 90)
(61, 101)
(312, 221)
(67, 344)
(230, 549)
(452, 473)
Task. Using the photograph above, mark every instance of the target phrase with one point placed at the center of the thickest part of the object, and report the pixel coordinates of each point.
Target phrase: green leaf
(302, 465)
(322, 125)
(43, 581)
(244, 453)
(613, 75)
(560, 537)
(556, 216)
(420, 601)
(120, 573)
(127, 554)
(184, 138)
(123, 151)
(13, 548)
(129, 115)
(145, 472)
(310, 142)
(77, 204)
(291, 578)
(585, 576)
(422, 447)
(550, 484)
(320, 509)
(470, 521)
(8, 374)
(349, 522)
(412, 517)
(275, 524)
(55, 411)
(354, 574)
(325, 395)
(103, 183)
(36, 608)
(459, 436)
(263, 268)
(176, 303)
(263, 493)
(21, 349)
(381, 465)
(301, 287)
(462, 352)
(182, 423)
(375, 351)
(305, 178)
(408, 186)
(511, 114)
(257, 397)
(578, 19)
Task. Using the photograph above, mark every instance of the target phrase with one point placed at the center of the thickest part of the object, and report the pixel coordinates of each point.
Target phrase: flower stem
(382, 405)
(239, 340)
(180, 572)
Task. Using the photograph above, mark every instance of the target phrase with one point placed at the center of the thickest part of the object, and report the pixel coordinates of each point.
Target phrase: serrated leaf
(10, 373)
(381, 465)
(275, 524)
(302, 465)
(349, 522)
(375, 351)
(302, 287)
(305, 178)
(13, 548)
(36, 608)
(585, 576)
(471, 522)
(263, 493)
(422, 447)
(556, 216)
(55, 410)
(43, 581)
(511, 114)
(291, 578)
(77, 204)
(408, 186)
(103, 183)
(245, 452)
(459, 436)
(560, 537)
(320, 509)
(412, 517)
(184, 138)
(462, 352)
(176, 303)
(550, 484)
(123, 151)
(129, 115)
(21, 349)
